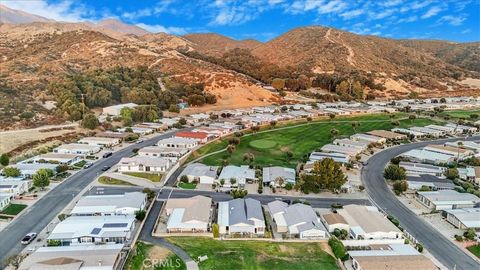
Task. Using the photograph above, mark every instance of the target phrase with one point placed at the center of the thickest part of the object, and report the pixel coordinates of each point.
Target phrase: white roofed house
(138, 130)
(422, 155)
(447, 199)
(332, 148)
(29, 169)
(366, 222)
(464, 218)
(428, 131)
(57, 158)
(242, 175)
(78, 230)
(4, 201)
(108, 205)
(189, 214)
(474, 146)
(368, 138)
(100, 141)
(297, 220)
(163, 152)
(115, 110)
(77, 149)
(337, 157)
(456, 152)
(362, 145)
(178, 142)
(467, 173)
(414, 134)
(13, 186)
(201, 173)
(422, 169)
(278, 176)
(241, 216)
(445, 129)
(144, 164)
(463, 128)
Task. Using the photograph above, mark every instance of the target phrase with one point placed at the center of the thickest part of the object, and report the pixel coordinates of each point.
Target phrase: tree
(394, 172)
(182, 121)
(273, 123)
(412, 117)
(400, 186)
(230, 148)
(278, 84)
(233, 181)
(184, 179)
(338, 248)
(150, 193)
(4, 160)
(470, 234)
(355, 125)
(288, 155)
(234, 141)
(331, 116)
(41, 178)
(62, 168)
(11, 172)
(249, 157)
(173, 108)
(326, 174)
(451, 173)
(238, 193)
(90, 121)
(334, 132)
(140, 215)
(255, 128)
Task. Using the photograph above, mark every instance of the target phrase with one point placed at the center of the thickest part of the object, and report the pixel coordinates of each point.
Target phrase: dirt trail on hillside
(351, 53)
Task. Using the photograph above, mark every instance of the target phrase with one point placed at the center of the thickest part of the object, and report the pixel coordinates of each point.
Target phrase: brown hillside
(216, 45)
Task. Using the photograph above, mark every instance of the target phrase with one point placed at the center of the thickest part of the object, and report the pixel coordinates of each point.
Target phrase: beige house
(189, 214)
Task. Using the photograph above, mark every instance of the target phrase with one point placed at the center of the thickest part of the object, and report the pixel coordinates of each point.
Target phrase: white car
(28, 238)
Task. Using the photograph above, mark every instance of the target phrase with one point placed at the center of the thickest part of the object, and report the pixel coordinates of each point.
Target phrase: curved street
(438, 245)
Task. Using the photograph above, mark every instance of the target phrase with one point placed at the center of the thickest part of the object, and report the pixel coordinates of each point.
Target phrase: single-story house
(361, 145)
(29, 169)
(177, 142)
(201, 137)
(392, 256)
(464, 218)
(167, 152)
(366, 222)
(79, 257)
(241, 216)
(470, 145)
(297, 220)
(389, 135)
(241, 174)
(138, 130)
(422, 155)
(15, 186)
(412, 168)
(189, 214)
(427, 180)
(109, 205)
(334, 221)
(57, 158)
(467, 173)
(77, 149)
(428, 131)
(100, 141)
(463, 128)
(115, 135)
(93, 230)
(4, 201)
(332, 148)
(414, 134)
(447, 199)
(444, 129)
(115, 110)
(201, 173)
(337, 157)
(278, 176)
(368, 138)
(144, 164)
(456, 152)
(152, 125)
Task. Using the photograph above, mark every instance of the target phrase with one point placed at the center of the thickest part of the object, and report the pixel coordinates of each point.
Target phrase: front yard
(154, 177)
(475, 250)
(244, 254)
(13, 209)
(187, 185)
(112, 181)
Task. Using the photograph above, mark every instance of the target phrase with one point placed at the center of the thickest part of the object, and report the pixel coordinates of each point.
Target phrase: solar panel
(114, 225)
(96, 230)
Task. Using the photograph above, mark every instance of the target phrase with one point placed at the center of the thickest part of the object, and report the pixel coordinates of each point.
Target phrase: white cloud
(157, 28)
(352, 13)
(332, 6)
(62, 11)
(391, 3)
(466, 31)
(408, 19)
(431, 12)
(453, 20)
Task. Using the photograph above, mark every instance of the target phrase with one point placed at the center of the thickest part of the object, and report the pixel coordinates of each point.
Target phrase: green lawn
(13, 209)
(80, 164)
(154, 177)
(461, 113)
(269, 147)
(112, 181)
(187, 185)
(475, 250)
(143, 252)
(255, 254)
(209, 148)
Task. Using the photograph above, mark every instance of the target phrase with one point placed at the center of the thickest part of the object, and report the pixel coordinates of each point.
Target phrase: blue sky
(455, 20)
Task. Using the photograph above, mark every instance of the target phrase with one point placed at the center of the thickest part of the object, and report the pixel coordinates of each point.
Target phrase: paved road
(38, 216)
(438, 245)
(316, 202)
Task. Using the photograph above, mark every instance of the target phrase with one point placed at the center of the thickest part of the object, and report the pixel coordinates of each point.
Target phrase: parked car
(105, 168)
(107, 154)
(87, 165)
(140, 140)
(28, 238)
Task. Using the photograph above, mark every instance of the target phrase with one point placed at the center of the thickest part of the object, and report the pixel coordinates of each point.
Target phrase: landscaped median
(287, 144)
(251, 254)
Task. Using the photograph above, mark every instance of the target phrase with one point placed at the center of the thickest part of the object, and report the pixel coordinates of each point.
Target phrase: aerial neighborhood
(243, 178)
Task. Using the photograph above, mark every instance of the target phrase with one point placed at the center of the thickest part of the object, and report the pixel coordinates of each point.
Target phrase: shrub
(215, 230)
(53, 243)
(184, 179)
(11, 172)
(140, 215)
(338, 249)
(394, 172)
(419, 247)
(459, 238)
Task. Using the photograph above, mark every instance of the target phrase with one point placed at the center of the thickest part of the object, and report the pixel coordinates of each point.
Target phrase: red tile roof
(193, 135)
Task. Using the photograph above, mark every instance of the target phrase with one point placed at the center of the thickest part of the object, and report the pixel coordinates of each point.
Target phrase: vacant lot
(270, 146)
(256, 254)
(148, 256)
